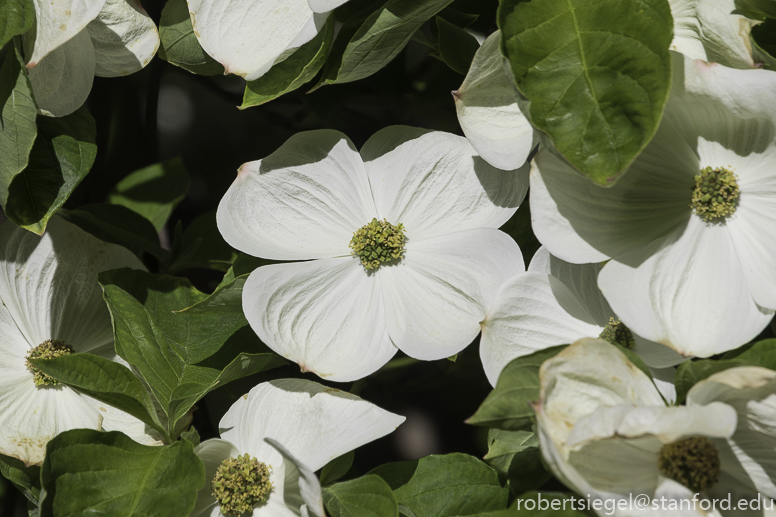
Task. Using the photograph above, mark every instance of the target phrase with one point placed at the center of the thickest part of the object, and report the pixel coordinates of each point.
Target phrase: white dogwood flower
(556, 303)
(248, 36)
(689, 226)
(404, 233)
(273, 440)
(51, 306)
(72, 41)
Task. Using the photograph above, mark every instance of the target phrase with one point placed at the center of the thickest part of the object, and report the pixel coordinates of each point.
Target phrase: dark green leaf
(445, 486)
(336, 468)
(456, 46)
(26, 479)
(367, 496)
(516, 455)
(93, 473)
(119, 225)
(756, 9)
(17, 18)
(154, 191)
(691, 372)
(104, 380)
(507, 406)
(178, 44)
(761, 353)
(595, 73)
(201, 245)
(17, 115)
(364, 46)
(191, 435)
(458, 18)
(62, 155)
(292, 72)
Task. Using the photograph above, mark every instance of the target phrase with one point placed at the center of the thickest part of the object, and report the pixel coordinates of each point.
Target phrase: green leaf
(293, 72)
(191, 435)
(154, 191)
(26, 479)
(367, 496)
(88, 472)
(18, 17)
(62, 155)
(201, 245)
(761, 353)
(516, 455)
(456, 46)
(17, 115)
(756, 9)
(119, 225)
(336, 468)
(507, 406)
(445, 486)
(104, 380)
(182, 356)
(595, 73)
(364, 46)
(690, 373)
(178, 44)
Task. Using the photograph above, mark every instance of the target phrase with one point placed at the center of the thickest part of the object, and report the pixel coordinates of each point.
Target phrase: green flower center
(715, 194)
(240, 484)
(693, 462)
(616, 333)
(378, 242)
(49, 349)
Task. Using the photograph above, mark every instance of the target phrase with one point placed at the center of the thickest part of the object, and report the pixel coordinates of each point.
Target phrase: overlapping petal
(303, 201)
(301, 489)
(56, 23)
(212, 452)
(436, 297)
(487, 109)
(435, 183)
(326, 315)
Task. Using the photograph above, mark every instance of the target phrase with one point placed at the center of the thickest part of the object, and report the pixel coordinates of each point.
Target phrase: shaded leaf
(456, 46)
(367, 496)
(25, 479)
(516, 455)
(336, 468)
(201, 245)
(18, 17)
(178, 45)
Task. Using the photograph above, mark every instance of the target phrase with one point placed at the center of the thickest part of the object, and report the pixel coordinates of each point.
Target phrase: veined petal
(436, 297)
(246, 36)
(687, 292)
(212, 452)
(49, 283)
(13, 345)
(303, 201)
(324, 6)
(532, 311)
(315, 423)
(62, 82)
(301, 490)
(587, 375)
(31, 416)
(57, 22)
(708, 30)
(125, 38)
(326, 315)
(487, 109)
(435, 183)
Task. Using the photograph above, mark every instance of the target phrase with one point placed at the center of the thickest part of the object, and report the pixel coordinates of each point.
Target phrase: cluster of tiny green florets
(378, 242)
(49, 349)
(715, 194)
(240, 484)
(693, 462)
(617, 333)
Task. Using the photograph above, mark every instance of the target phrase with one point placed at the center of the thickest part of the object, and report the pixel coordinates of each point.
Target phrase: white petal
(487, 109)
(31, 416)
(587, 375)
(246, 36)
(303, 201)
(686, 291)
(664, 382)
(326, 315)
(62, 82)
(708, 30)
(49, 284)
(580, 222)
(324, 6)
(13, 344)
(434, 183)
(57, 22)
(125, 38)
(301, 490)
(531, 312)
(436, 297)
(315, 423)
(212, 452)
